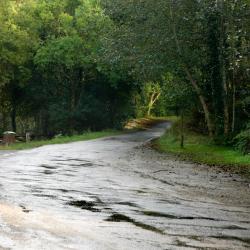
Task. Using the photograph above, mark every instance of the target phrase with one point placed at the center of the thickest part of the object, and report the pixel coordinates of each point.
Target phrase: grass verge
(201, 149)
(62, 139)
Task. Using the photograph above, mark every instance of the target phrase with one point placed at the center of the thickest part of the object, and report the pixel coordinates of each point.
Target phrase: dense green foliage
(51, 74)
(242, 141)
(66, 66)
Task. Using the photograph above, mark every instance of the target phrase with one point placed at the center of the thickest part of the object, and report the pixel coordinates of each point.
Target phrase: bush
(242, 141)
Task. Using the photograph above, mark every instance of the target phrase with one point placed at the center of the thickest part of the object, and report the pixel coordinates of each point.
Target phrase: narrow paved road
(117, 193)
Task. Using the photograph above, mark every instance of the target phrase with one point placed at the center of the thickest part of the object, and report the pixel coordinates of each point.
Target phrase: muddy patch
(123, 218)
(147, 176)
(180, 243)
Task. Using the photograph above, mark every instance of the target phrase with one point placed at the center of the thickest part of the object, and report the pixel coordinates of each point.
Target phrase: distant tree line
(68, 66)
(51, 78)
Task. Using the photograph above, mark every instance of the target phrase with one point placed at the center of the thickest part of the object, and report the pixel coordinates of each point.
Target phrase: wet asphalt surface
(118, 193)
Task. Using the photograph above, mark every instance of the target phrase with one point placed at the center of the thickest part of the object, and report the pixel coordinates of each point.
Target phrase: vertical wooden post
(27, 135)
(182, 129)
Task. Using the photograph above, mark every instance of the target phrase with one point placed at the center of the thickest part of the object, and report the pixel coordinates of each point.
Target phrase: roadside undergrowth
(201, 149)
(62, 139)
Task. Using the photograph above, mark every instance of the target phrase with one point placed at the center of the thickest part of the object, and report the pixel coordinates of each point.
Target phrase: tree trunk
(204, 105)
(233, 107)
(226, 115)
(196, 87)
(154, 97)
(45, 123)
(182, 129)
(72, 102)
(149, 110)
(150, 105)
(13, 118)
(225, 98)
(223, 70)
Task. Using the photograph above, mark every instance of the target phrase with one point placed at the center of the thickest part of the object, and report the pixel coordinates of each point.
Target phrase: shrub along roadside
(242, 141)
(201, 149)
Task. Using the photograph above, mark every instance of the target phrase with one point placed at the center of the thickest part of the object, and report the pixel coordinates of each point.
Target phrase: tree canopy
(67, 66)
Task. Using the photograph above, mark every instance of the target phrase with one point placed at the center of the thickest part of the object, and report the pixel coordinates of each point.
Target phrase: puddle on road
(86, 164)
(86, 205)
(141, 191)
(123, 218)
(130, 204)
(233, 227)
(70, 159)
(89, 164)
(48, 172)
(45, 196)
(48, 167)
(63, 190)
(171, 216)
(226, 237)
(24, 209)
(81, 163)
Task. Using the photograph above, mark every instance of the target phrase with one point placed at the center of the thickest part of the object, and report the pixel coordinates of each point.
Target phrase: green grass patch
(201, 149)
(62, 139)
